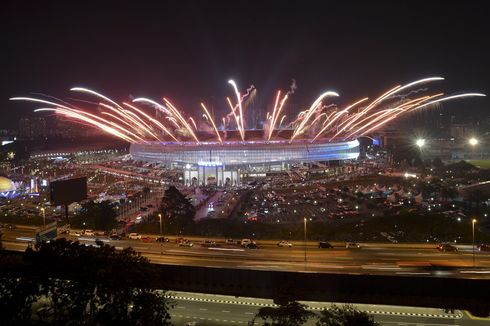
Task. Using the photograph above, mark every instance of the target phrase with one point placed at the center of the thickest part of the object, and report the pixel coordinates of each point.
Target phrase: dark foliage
(291, 314)
(66, 283)
(96, 216)
(177, 209)
(345, 315)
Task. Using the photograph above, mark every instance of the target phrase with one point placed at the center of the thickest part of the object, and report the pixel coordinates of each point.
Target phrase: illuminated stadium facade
(225, 163)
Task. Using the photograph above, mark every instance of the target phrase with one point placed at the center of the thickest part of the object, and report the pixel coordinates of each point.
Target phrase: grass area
(482, 164)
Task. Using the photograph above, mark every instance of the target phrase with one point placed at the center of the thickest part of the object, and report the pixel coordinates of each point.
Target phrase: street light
(44, 216)
(160, 216)
(161, 234)
(305, 240)
(473, 231)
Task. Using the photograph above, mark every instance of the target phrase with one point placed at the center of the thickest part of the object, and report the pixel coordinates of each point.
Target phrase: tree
(476, 196)
(177, 208)
(345, 315)
(65, 283)
(291, 314)
(448, 193)
(437, 162)
(97, 216)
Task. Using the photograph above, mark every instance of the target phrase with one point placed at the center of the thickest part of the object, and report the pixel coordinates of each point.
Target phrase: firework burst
(322, 120)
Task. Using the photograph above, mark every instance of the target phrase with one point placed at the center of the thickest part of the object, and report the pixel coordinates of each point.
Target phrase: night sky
(187, 51)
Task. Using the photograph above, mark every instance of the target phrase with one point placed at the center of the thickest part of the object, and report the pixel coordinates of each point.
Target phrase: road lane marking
(374, 312)
(421, 324)
(225, 311)
(203, 309)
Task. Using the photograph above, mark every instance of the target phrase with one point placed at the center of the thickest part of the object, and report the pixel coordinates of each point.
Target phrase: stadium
(225, 162)
(220, 147)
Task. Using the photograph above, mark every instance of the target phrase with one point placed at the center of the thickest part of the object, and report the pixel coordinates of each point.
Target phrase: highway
(209, 309)
(371, 258)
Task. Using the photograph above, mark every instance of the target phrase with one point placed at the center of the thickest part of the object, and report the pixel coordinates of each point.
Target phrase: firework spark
(132, 124)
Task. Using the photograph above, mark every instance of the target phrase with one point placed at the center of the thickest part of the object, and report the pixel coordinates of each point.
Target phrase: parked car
(354, 245)
(484, 247)
(284, 243)
(324, 244)
(162, 239)
(230, 242)
(89, 233)
(115, 237)
(447, 247)
(134, 236)
(185, 243)
(147, 239)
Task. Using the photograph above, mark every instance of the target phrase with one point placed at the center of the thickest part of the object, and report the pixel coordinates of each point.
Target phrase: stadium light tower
(473, 141)
(420, 142)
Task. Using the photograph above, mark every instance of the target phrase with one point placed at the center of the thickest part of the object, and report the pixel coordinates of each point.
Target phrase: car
(179, 240)
(251, 245)
(10, 226)
(146, 239)
(89, 233)
(208, 243)
(284, 243)
(134, 236)
(446, 247)
(484, 247)
(354, 245)
(115, 237)
(245, 242)
(185, 243)
(162, 239)
(230, 242)
(324, 244)
(75, 233)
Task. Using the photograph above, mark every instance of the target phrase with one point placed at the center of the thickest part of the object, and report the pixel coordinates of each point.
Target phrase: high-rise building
(32, 127)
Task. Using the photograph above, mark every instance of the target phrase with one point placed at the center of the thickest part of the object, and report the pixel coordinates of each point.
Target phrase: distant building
(462, 130)
(32, 127)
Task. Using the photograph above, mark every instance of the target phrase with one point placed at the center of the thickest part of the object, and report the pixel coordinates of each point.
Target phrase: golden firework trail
(134, 124)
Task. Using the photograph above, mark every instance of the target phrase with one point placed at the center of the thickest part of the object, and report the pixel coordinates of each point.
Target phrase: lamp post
(473, 142)
(473, 231)
(305, 240)
(44, 216)
(161, 223)
(161, 234)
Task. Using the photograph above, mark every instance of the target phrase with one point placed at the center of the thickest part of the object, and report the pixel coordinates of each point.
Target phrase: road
(371, 258)
(208, 309)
